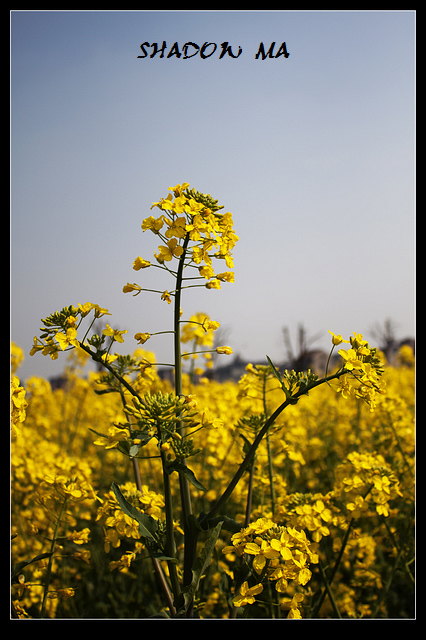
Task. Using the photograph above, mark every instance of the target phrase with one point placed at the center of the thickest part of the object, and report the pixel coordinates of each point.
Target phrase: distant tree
(300, 358)
(385, 335)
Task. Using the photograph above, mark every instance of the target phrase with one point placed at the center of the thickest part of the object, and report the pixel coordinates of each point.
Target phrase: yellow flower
(246, 594)
(357, 340)
(166, 297)
(88, 306)
(179, 204)
(132, 287)
(293, 605)
(49, 349)
(140, 263)
(79, 537)
(18, 406)
(167, 252)
(177, 189)
(351, 360)
(209, 421)
(226, 276)
(115, 436)
(193, 207)
(210, 325)
(213, 284)
(206, 271)
(226, 350)
(16, 356)
(108, 357)
(154, 224)
(114, 333)
(142, 337)
(61, 593)
(164, 204)
(176, 228)
(68, 339)
(261, 553)
(337, 339)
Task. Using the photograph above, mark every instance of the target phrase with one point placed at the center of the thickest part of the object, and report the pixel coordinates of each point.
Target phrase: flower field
(281, 495)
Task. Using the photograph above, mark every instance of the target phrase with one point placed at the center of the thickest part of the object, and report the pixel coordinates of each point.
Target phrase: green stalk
(190, 538)
(185, 494)
(388, 584)
(329, 591)
(251, 452)
(327, 582)
(178, 292)
(49, 565)
(268, 445)
(170, 541)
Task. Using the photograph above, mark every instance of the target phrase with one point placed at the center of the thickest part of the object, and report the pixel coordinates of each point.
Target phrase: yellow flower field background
(280, 495)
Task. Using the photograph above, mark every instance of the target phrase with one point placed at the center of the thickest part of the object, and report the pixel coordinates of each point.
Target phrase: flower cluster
(280, 555)
(363, 370)
(311, 512)
(18, 406)
(62, 326)
(58, 498)
(366, 481)
(190, 227)
(323, 444)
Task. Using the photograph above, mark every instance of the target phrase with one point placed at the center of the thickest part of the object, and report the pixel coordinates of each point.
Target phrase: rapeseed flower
(18, 407)
(246, 594)
(226, 350)
(262, 553)
(140, 263)
(114, 334)
(128, 288)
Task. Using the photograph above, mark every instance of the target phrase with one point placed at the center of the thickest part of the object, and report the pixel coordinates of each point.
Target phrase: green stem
(334, 571)
(170, 541)
(388, 583)
(249, 498)
(176, 327)
(251, 452)
(328, 361)
(337, 563)
(400, 550)
(190, 539)
(268, 445)
(329, 591)
(49, 565)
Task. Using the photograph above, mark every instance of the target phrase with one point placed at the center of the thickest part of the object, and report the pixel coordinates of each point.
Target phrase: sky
(313, 154)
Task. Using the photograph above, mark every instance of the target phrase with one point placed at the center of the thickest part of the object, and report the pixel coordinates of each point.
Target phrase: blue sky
(313, 154)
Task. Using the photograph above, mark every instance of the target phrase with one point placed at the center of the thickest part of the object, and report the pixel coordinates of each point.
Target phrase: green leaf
(275, 370)
(134, 450)
(280, 380)
(147, 526)
(200, 565)
(17, 568)
(160, 556)
(183, 469)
